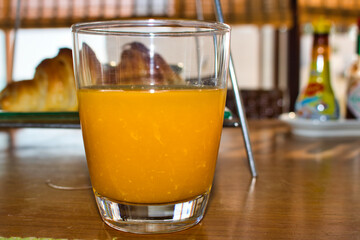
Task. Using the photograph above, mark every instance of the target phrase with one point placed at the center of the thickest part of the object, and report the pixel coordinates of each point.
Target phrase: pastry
(53, 85)
(51, 89)
(138, 65)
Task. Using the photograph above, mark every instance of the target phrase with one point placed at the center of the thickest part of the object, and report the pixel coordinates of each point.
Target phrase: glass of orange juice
(151, 103)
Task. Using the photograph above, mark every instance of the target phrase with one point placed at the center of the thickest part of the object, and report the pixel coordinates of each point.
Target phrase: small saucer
(316, 128)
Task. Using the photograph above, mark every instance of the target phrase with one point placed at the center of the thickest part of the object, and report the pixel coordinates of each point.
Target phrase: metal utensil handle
(239, 105)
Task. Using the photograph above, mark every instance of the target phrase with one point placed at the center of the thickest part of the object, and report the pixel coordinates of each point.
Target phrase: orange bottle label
(314, 88)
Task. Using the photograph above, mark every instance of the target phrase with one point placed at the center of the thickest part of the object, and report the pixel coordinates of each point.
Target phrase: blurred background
(271, 39)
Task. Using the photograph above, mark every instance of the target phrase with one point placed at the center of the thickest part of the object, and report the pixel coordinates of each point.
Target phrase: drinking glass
(151, 104)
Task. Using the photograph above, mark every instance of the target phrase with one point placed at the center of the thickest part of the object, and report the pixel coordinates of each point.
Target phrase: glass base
(152, 218)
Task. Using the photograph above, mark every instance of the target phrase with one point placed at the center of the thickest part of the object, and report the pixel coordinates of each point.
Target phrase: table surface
(307, 188)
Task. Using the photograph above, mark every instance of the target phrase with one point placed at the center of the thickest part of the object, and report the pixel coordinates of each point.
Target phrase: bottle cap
(322, 25)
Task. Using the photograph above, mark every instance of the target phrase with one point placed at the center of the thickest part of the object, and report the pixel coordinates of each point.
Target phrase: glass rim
(114, 27)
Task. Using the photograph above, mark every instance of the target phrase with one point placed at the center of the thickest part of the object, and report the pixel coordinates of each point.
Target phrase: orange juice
(151, 146)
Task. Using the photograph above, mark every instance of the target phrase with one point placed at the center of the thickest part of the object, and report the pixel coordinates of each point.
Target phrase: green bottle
(317, 99)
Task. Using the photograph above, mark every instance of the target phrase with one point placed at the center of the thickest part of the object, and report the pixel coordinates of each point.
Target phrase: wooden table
(306, 189)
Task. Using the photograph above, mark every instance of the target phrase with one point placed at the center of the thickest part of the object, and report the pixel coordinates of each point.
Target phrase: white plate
(316, 128)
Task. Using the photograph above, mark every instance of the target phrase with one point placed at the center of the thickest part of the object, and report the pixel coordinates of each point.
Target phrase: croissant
(53, 85)
(51, 89)
(137, 66)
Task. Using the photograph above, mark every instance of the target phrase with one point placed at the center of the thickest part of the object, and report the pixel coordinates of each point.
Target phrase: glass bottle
(317, 99)
(353, 89)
